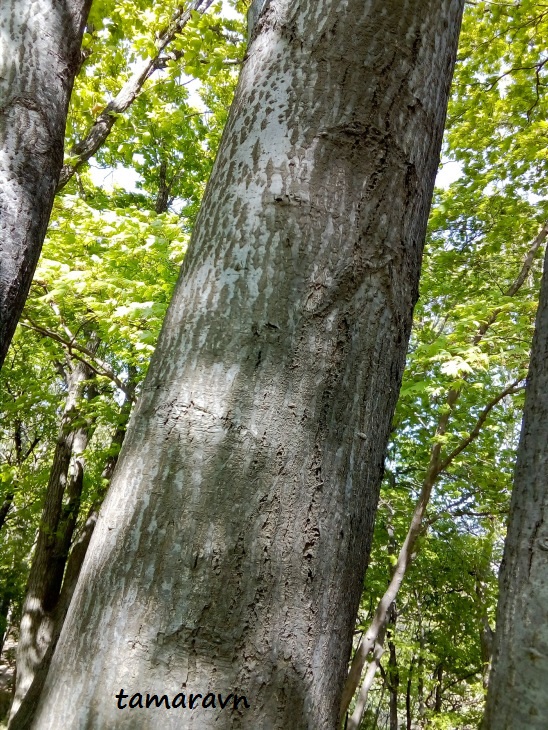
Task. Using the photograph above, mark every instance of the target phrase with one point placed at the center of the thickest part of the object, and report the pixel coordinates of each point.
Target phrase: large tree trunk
(229, 554)
(518, 685)
(39, 58)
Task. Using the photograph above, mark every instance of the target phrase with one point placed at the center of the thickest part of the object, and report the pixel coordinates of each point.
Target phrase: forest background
(118, 233)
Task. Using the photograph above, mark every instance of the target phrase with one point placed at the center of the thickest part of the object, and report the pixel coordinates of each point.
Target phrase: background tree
(518, 694)
(271, 391)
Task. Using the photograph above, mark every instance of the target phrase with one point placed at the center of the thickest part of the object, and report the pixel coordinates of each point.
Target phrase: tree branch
(99, 367)
(474, 433)
(518, 282)
(83, 150)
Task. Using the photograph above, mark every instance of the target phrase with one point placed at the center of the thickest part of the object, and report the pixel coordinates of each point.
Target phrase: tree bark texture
(229, 554)
(39, 58)
(518, 684)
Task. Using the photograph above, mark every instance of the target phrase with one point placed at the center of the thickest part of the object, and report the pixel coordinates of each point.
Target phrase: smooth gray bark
(518, 684)
(230, 551)
(39, 58)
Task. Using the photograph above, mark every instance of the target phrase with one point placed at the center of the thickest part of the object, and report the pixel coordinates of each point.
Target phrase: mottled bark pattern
(230, 552)
(39, 57)
(518, 685)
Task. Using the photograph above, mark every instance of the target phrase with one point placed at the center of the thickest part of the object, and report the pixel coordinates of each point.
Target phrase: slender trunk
(23, 716)
(20, 457)
(378, 710)
(393, 672)
(485, 632)
(47, 567)
(439, 688)
(4, 613)
(408, 697)
(420, 677)
(229, 554)
(518, 687)
(5, 507)
(354, 721)
(162, 197)
(393, 706)
(39, 58)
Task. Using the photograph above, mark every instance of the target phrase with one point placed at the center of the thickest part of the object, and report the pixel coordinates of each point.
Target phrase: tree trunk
(439, 689)
(229, 554)
(4, 613)
(409, 698)
(420, 673)
(518, 686)
(39, 58)
(355, 720)
(5, 507)
(393, 671)
(50, 553)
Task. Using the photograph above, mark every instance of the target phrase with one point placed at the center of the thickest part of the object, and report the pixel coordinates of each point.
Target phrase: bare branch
(98, 366)
(518, 282)
(528, 262)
